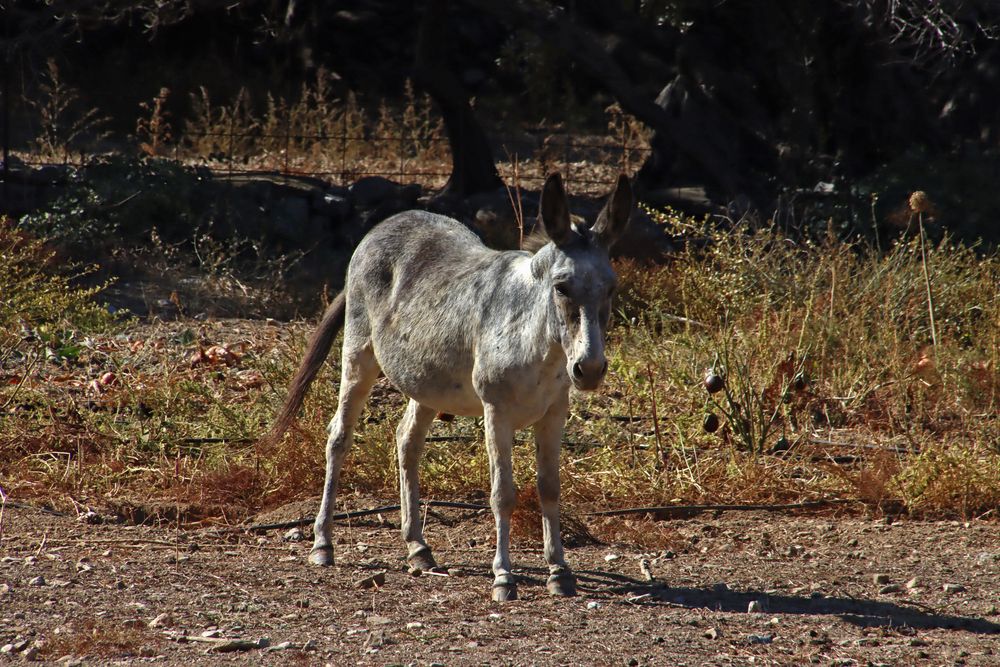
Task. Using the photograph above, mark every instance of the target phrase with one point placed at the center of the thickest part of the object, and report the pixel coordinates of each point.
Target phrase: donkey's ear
(553, 211)
(613, 218)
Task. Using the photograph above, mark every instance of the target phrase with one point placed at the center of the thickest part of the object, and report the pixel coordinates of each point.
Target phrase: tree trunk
(472, 167)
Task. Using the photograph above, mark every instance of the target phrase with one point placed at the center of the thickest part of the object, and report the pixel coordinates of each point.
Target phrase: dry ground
(813, 579)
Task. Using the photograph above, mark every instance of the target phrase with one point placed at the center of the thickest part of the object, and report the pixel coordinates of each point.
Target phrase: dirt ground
(830, 591)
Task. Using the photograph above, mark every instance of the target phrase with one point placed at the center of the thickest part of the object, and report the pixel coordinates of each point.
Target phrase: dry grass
(103, 639)
(837, 384)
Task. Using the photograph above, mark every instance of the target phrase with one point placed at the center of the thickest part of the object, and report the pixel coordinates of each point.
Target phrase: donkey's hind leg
(410, 437)
(357, 377)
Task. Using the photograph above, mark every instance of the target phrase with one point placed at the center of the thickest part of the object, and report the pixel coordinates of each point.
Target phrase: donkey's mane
(538, 238)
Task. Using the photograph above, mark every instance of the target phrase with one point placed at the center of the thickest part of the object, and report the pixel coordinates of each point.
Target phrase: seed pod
(711, 423)
(714, 383)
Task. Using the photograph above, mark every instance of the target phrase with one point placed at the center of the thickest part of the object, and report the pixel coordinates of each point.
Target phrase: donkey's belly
(442, 382)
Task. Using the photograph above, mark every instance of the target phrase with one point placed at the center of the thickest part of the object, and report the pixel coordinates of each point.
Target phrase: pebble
(280, 647)
(37, 581)
(913, 583)
(30, 654)
(760, 639)
(711, 633)
(161, 621)
(880, 579)
(377, 579)
(610, 558)
(953, 588)
(890, 588)
(415, 625)
(310, 645)
(593, 604)
(294, 535)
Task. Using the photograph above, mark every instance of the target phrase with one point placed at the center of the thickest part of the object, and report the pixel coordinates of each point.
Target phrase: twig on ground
(694, 509)
(305, 521)
(3, 506)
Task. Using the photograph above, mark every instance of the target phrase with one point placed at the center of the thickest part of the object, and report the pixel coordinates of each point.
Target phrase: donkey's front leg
(548, 441)
(499, 444)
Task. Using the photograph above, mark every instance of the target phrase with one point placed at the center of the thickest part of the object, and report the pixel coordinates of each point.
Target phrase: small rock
(880, 579)
(755, 607)
(913, 583)
(377, 579)
(37, 581)
(494, 617)
(31, 654)
(890, 588)
(161, 621)
(6, 648)
(632, 662)
(760, 639)
(711, 633)
(279, 647)
(951, 589)
(415, 625)
(593, 604)
(4, 589)
(917, 641)
(293, 535)
(610, 558)
(310, 645)
(378, 620)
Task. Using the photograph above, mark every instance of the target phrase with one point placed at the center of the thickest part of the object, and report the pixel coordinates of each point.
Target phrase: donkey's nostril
(578, 371)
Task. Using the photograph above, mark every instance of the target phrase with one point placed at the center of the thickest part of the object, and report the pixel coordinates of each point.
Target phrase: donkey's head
(577, 273)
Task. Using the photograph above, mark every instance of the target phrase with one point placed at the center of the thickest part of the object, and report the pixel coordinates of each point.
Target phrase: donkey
(465, 330)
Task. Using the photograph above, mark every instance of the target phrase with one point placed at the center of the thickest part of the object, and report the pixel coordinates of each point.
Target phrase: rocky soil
(721, 590)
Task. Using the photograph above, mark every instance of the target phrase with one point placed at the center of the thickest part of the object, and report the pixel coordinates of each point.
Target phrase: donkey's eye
(562, 289)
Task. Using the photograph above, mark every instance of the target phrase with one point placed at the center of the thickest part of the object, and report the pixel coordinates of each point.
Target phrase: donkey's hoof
(504, 592)
(321, 556)
(562, 584)
(422, 559)
(504, 588)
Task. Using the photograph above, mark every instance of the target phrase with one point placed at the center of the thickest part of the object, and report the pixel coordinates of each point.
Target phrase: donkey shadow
(857, 611)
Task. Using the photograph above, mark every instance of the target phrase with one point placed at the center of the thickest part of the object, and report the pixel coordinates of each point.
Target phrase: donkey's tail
(316, 354)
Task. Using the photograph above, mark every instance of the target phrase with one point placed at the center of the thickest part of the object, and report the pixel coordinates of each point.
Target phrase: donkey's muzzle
(588, 373)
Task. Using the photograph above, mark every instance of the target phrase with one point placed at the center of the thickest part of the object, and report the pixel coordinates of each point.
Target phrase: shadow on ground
(858, 611)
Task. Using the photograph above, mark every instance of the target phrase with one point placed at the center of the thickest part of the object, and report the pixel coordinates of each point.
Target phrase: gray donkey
(466, 330)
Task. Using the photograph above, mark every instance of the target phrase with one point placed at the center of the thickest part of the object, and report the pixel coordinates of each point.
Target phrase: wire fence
(347, 150)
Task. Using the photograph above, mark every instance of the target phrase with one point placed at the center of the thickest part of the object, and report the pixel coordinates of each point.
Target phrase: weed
(63, 125)
(154, 130)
